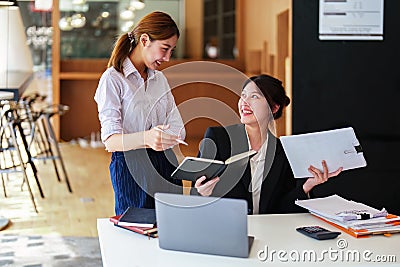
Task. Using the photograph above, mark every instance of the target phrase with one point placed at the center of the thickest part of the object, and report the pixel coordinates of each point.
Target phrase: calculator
(317, 232)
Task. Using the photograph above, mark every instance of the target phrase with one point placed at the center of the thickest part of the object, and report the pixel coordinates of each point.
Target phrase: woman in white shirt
(267, 183)
(140, 122)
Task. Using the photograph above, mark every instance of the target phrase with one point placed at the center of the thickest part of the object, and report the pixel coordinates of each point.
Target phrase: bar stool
(43, 144)
(9, 127)
(52, 150)
(17, 124)
(5, 96)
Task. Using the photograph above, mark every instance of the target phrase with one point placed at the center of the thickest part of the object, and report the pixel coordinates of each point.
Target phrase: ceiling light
(137, 4)
(127, 14)
(126, 26)
(78, 2)
(8, 3)
(105, 14)
(78, 20)
(65, 24)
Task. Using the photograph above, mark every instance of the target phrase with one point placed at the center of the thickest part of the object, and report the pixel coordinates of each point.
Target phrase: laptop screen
(205, 225)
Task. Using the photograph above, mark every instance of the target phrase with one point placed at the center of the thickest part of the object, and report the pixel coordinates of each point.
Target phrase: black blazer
(279, 189)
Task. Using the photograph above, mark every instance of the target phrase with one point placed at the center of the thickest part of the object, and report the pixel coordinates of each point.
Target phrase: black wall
(352, 83)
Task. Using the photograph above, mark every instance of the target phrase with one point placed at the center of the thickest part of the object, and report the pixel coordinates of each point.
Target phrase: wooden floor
(61, 212)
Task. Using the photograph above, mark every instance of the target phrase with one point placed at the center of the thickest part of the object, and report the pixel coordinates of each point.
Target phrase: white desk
(120, 247)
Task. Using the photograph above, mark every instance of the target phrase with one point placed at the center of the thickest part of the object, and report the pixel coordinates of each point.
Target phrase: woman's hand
(319, 177)
(207, 188)
(158, 139)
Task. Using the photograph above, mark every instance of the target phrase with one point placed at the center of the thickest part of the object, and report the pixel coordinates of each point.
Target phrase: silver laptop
(205, 225)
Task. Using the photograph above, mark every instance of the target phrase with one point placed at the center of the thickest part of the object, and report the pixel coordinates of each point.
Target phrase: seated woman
(267, 183)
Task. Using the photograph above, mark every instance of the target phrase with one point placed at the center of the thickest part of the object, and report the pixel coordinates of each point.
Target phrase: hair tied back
(131, 38)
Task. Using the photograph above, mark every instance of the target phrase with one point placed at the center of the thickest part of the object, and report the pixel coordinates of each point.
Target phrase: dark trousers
(137, 174)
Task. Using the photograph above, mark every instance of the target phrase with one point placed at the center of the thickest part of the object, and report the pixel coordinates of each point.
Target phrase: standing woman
(140, 122)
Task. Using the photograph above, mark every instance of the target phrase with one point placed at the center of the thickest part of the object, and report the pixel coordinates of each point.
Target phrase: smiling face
(158, 51)
(253, 107)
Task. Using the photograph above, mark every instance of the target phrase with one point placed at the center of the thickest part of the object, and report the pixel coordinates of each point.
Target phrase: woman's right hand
(319, 177)
(207, 188)
(158, 139)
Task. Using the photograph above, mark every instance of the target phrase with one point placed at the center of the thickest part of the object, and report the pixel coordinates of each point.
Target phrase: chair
(43, 144)
(10, 128)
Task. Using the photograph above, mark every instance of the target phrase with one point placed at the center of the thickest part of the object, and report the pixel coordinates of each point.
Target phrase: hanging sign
(351, 19)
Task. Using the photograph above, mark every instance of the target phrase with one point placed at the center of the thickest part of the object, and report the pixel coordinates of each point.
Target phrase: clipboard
(338, 147)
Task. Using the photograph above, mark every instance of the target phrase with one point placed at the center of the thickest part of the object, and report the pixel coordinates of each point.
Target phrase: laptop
(206, 225)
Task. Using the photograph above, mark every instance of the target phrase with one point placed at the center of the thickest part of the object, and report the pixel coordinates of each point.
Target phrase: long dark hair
(157, 25)
(272, 90)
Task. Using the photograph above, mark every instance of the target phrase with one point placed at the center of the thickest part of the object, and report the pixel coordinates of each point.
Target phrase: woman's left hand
(319, 177)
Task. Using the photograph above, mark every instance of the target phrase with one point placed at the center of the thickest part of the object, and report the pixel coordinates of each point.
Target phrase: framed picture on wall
(351, 20)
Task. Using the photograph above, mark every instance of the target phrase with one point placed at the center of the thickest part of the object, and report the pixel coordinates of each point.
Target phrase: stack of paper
(355, 218)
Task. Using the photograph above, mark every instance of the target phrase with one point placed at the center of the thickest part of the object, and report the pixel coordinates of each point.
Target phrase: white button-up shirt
(127, 105)
(257, 163)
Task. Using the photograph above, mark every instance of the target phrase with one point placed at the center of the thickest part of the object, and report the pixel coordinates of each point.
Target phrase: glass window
(89, 28)
(39, 34)
(219, 29)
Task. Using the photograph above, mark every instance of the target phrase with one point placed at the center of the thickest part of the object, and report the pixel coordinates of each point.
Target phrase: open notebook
(193, 168)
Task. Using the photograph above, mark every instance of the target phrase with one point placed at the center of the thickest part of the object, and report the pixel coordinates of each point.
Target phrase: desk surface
(15, 81)
(274, 234)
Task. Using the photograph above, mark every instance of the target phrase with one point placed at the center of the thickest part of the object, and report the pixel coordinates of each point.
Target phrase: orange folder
(362, 233)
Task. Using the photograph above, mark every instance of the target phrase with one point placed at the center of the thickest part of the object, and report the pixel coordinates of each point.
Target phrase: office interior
(331, 83)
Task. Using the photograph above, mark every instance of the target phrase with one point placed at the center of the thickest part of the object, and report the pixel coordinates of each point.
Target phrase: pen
(178, 140)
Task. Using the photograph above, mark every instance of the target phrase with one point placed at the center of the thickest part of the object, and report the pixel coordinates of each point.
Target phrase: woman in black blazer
(267, 183)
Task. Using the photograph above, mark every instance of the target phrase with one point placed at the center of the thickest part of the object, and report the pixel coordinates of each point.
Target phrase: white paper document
(340, 209)
(339, 148)
(355, 218)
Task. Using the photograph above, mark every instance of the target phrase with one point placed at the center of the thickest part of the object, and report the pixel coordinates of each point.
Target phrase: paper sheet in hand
(339, 148)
